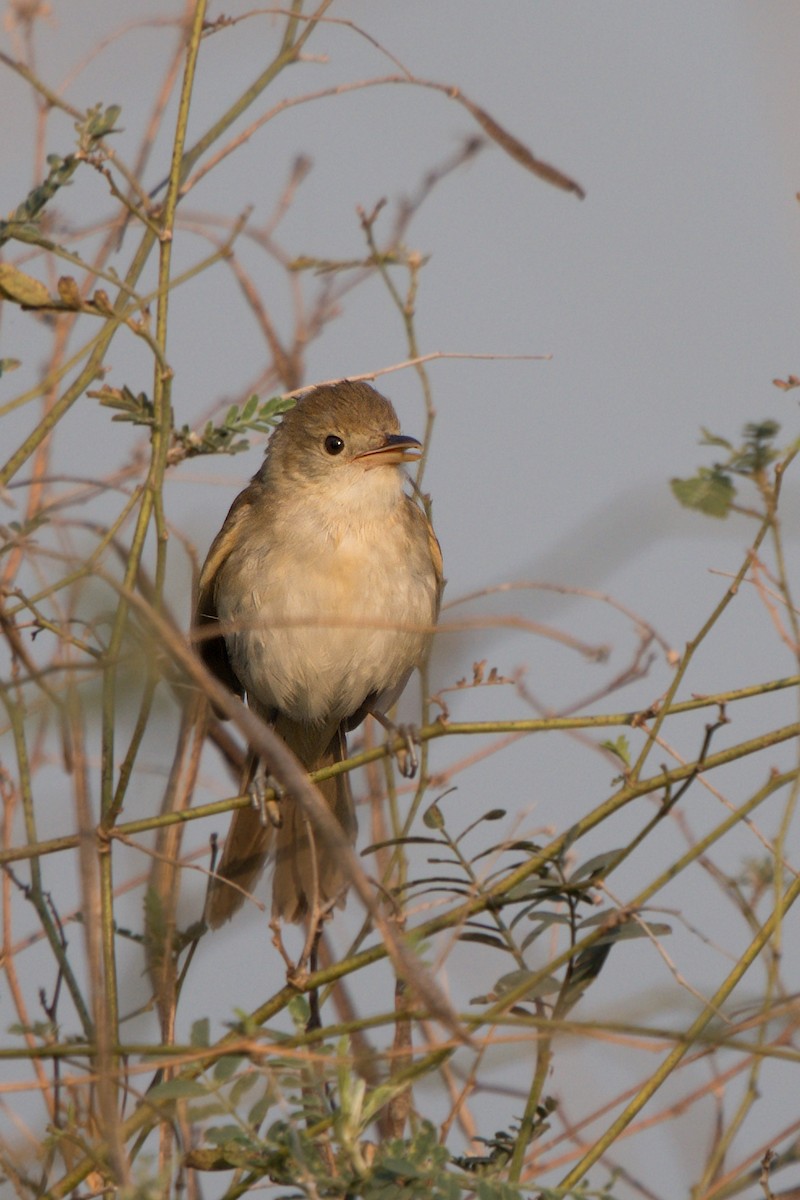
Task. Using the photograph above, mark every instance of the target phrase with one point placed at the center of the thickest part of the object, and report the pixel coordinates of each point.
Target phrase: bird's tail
(308, 872)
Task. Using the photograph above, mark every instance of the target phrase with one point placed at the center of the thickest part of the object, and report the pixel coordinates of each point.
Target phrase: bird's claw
(267, 806)
(406, 755)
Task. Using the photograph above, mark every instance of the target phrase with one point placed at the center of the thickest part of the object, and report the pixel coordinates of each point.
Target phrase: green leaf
(226, 1066)
(761, 431)
(97, 124)
(758, 451)
(178, 1089)
(621, 747)
(485, 939)
(299, 1011)
(203, 1110)
(260, 1109)
(598, 864)
(41, 1029)
(534, 889)
(625, 930)
(9, 364)
(241, 1086)
(61, 171)
(588, 966)
(221, 1135)
(200, 1033)
(710, 491)
(540, 985)
(105, 123)
(432, 817)
(139, 409)
(713, 439)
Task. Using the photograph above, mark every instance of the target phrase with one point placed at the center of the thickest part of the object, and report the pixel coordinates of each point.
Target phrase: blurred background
(615, 327)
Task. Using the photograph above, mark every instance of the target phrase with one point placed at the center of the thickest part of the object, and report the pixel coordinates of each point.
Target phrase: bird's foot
(405, 755)
(267, 806)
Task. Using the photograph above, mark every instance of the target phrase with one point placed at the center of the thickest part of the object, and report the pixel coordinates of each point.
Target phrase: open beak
(397, 448)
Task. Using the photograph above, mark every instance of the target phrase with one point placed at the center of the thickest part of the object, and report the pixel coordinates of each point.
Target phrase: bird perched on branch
(325, 581)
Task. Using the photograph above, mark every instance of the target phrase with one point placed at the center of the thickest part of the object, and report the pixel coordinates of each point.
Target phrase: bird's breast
(321, 621)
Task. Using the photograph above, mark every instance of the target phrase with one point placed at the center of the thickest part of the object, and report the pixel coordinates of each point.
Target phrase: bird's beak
(397, 448)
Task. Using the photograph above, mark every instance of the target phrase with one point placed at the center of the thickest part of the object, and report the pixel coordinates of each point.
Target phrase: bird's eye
(333, 444)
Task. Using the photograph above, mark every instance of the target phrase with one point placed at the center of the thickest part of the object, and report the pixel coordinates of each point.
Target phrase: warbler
(325, 581)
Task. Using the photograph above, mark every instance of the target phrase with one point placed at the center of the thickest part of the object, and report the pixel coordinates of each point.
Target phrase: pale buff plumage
(327, 578)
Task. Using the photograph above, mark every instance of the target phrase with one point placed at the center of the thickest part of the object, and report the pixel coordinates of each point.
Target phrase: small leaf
(201, 1032)
(523, 846)
(138, 409)
(226, 1066)
(241, 1086)
(533, 889)
(432, 817)
(713, 439)
(97, 124)
(260, 1109)
(758, 452)
(620, 747)
(710, 492)
(588, 966)
(599, 864)
(177, 1089)
(221, 1135)
(626, 930)
(761, 431)
(299, 1012)
(540, 985)
(61, 171)
(9, 364)
(108, 120)
(485, 939)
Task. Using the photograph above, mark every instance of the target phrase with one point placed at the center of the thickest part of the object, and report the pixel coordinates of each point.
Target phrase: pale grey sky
(668, 299)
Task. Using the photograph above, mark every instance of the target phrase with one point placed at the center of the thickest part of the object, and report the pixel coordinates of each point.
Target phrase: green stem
(613, 804)
(151, 500)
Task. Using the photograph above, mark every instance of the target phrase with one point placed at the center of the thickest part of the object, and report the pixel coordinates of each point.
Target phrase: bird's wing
(438, 564)
(212, 648)
(419, 515)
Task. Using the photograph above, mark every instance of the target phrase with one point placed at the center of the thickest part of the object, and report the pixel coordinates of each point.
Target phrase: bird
(317, 600)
